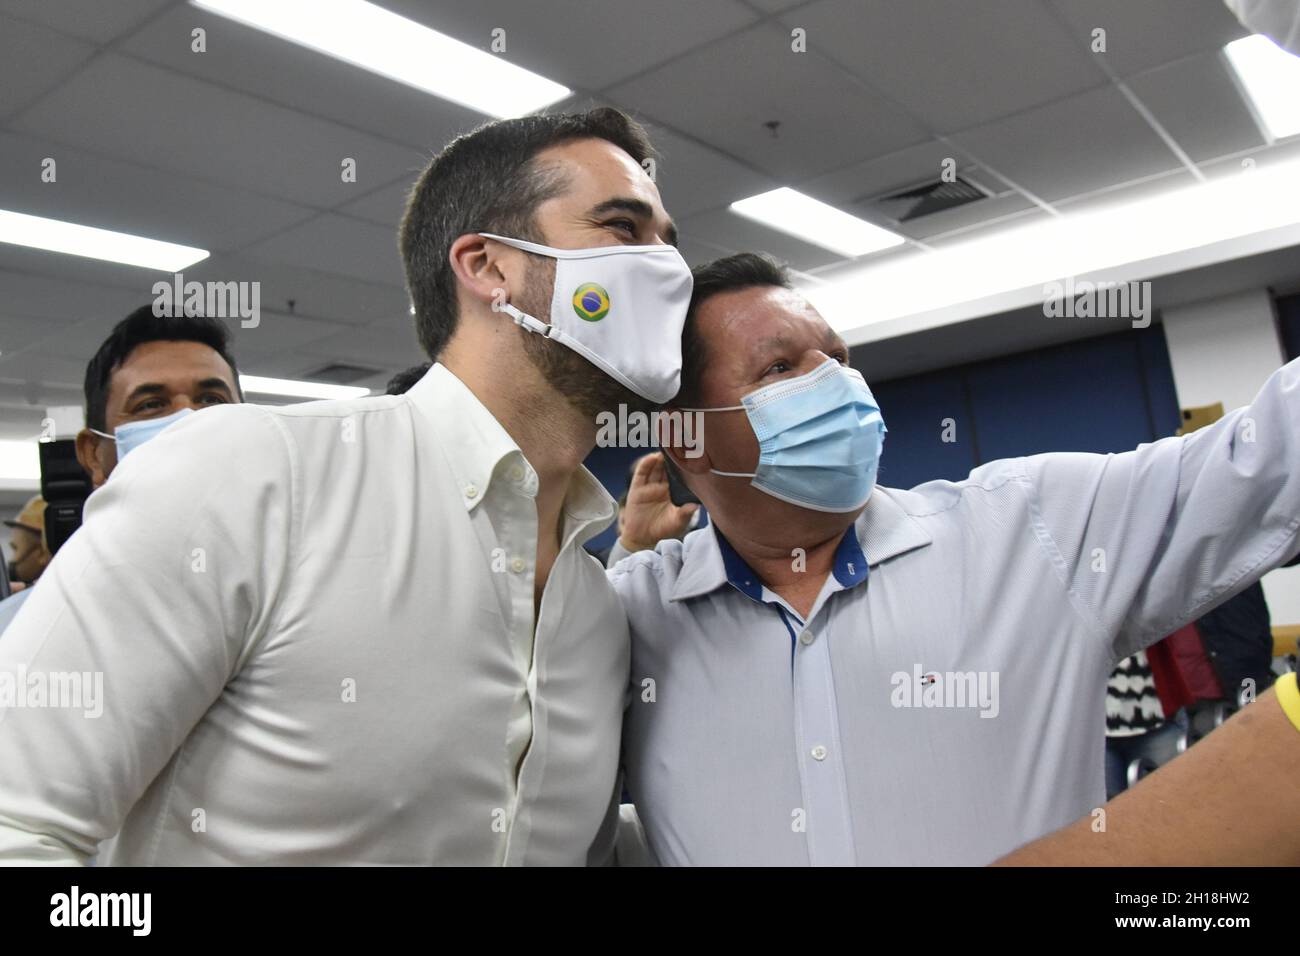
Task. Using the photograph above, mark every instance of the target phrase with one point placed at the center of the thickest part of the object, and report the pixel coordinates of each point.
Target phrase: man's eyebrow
(148, 388)
(637, 207)
(157, 388)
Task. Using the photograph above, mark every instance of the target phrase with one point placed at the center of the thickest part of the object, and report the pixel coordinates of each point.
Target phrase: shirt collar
(481, 451)
(465, 427)
(883, 530)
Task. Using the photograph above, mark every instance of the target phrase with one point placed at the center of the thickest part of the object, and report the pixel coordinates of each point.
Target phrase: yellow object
(1288, 695)
(1199, 417)
(1284, 639)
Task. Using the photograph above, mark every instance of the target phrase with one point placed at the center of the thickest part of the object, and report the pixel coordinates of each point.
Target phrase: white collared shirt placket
(508, 507)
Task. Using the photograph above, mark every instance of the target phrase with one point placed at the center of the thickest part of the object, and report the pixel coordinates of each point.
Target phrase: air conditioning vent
(927, 199)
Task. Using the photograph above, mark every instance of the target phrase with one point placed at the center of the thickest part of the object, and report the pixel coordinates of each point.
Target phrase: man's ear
(681, 438)
(477, 265)
(88, 456)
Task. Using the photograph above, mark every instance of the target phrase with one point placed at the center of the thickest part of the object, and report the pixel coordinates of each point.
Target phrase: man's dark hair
(741, 271)
(138, 328)
(401, 383)
(489, 181)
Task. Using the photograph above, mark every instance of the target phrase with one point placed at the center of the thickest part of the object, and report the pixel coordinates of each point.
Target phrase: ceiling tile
(18, 332)
(384, 206)
(953, 65)
(1254, 159)
(278, 331)
(36, 59)
(62, 301)
(182, 124)
(33, 365)
(885, 174)
(338, 244)
(693, 178)
(130, 198)
(1073, 146)
(588, 46)
(68, 268)
(724, 94)
(382, 346)
(1152, 32)
(1130, 192)
(95, 20)
(275, 69)
(315, 294)
(1198, 104)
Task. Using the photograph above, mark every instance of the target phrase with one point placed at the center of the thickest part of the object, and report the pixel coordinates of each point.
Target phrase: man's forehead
(165, 360)
(597, 169)
(761, 312)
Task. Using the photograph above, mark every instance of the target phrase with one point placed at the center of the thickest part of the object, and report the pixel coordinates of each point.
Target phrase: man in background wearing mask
(150, 371)
(366, 631)
(30, 556)
(836, 673)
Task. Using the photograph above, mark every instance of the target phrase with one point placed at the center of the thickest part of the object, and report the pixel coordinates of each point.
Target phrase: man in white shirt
(366, 631)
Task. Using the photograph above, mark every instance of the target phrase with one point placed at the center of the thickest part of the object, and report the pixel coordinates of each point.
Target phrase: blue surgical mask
(819, 438)
(134, 434)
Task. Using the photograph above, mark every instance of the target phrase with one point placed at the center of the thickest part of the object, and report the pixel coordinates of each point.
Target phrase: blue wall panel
(914, 410)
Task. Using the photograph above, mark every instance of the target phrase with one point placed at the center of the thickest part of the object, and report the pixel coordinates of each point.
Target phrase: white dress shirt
(315, 629)
(753, 736)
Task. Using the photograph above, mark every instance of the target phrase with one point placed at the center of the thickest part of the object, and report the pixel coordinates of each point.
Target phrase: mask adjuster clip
(528, 322)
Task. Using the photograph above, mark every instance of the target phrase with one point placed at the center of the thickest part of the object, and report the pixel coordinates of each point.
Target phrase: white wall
(1222, 350)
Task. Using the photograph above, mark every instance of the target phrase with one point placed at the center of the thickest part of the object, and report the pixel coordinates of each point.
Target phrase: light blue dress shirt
(943, 702)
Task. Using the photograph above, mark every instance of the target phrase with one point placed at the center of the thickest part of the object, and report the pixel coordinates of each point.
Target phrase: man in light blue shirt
(919, 680)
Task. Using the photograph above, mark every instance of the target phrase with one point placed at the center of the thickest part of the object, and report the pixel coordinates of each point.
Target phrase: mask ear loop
(523, 319)
(725, 408)
(96, 431)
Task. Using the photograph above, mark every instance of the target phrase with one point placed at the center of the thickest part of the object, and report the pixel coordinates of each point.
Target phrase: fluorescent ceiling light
(790, 211)
(74, 240)
(19, 460)
(295, 389)
(1024, 259)
(1271, 78)
(382, 42)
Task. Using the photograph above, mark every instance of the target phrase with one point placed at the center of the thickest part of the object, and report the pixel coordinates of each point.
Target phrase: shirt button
(471, 491)
(807, 637)
(516, 474)
(518, 565)
(819, 752)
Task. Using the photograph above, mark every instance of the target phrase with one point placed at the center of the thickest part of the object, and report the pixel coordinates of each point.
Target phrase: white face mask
(621, 308)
